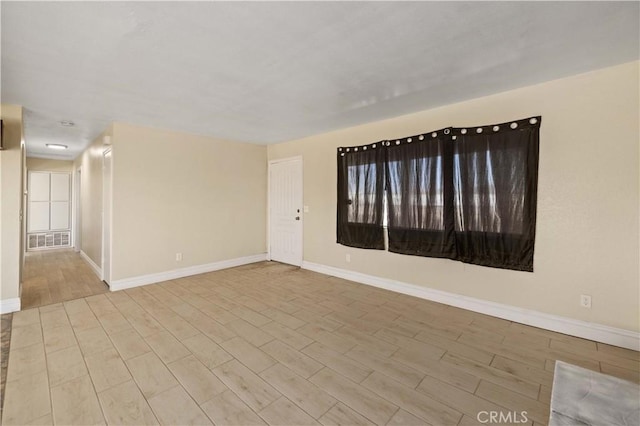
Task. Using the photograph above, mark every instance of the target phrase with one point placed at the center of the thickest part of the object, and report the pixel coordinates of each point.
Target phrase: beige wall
(90, 164)
(587, 226)
(47, 165)
(11, 165)
(180, 193)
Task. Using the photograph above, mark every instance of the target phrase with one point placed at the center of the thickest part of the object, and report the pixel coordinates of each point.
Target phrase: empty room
(320, 213)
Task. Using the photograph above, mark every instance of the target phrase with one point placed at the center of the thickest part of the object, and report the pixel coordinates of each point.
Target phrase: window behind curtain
(495, 174)
(418, 209)
(360, 211)
(465, 194)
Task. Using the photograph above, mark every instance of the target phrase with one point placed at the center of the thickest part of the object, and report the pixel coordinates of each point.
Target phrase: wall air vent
(48, 240)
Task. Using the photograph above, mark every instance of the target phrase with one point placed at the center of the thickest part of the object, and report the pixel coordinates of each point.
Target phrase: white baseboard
(96, 268)
(9, 305)
(184, 272)
(592, 331)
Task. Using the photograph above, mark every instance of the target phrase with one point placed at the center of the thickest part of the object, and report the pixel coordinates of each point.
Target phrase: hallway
(57, 276)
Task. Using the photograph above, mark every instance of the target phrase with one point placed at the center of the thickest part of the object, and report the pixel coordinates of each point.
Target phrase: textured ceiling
(268, 72)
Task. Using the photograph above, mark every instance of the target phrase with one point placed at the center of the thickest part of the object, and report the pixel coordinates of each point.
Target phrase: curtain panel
(467, 194)
(361, 182)
(419, 195)
(495, 179)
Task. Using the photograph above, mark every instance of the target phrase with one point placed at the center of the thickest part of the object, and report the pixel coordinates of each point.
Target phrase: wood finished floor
(269, 343)
(53, 276)
(5, 339)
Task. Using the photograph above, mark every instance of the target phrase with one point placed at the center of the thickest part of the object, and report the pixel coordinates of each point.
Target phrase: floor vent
(48, 240)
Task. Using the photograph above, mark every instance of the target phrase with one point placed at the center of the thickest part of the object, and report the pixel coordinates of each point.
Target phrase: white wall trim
(184, 272)
(9, 305)
(587, 330)
(94, 266)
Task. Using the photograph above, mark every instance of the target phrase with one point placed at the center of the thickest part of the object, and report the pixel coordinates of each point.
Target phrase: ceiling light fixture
(56, 146)
(67, 123)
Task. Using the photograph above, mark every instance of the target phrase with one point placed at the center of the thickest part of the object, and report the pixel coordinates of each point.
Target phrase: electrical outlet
(585, 301)
(348, 258)
(178, 257)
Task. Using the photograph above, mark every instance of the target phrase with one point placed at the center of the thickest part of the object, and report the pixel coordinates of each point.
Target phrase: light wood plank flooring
(53, 276)
(269, 343)
(5, 338)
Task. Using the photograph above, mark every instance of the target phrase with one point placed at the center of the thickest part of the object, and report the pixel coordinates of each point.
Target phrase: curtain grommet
(421, 137)
(447, 131)
(434, 134)
(342, 154)
(347, 149)
(364, 148)
(463, 131)
(409, 140)
(533, 120)
(496, 128)
(398, 142)
(514, 125)
(454, 137)
(373, 146)
(479, 130)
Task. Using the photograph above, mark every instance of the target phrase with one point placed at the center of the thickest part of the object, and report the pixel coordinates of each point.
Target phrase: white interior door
(285, 211)
(106, 217)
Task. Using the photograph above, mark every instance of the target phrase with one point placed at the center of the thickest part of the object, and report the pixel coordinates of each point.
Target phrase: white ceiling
(268, 72)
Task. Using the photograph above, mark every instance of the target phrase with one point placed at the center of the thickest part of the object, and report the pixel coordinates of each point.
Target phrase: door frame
(77, 228)
(105, 238)
(272, 162)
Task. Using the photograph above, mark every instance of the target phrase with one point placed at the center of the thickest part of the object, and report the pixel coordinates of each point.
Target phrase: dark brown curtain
(360, 196)
(495, 175)
(468, 194)
(419, 195)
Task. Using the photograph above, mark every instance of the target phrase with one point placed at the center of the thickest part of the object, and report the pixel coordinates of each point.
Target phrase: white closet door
(60, 187)
(38, 202)
(49, 201)
(59, 215)
(39, 186)
(38, 216)
(60, 197)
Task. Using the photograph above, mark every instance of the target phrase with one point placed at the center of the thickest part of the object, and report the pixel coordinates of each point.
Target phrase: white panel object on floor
(585, 397)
